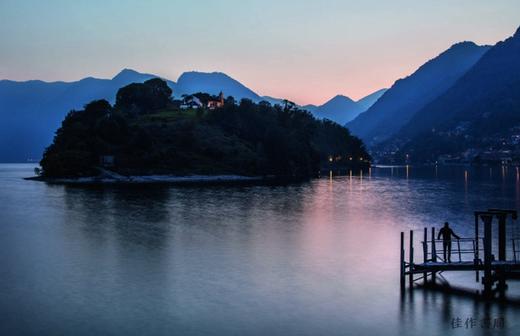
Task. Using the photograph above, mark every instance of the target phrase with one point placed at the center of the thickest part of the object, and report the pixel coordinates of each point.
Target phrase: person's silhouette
(446, 232)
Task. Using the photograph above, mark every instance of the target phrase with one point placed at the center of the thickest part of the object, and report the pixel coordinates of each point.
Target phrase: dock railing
(463, 251)
(475, 254)
(460, 248)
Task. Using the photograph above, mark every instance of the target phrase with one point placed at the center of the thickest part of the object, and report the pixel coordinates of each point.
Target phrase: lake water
(316, 258)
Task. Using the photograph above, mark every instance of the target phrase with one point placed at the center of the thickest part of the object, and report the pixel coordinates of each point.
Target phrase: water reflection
(319, 257)
(456, 311)
(131, 215)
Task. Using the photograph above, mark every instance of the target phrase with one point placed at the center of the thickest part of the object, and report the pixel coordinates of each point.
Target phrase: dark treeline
(146, 132)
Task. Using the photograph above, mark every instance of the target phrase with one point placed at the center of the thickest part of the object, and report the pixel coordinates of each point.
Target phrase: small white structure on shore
(191, 102)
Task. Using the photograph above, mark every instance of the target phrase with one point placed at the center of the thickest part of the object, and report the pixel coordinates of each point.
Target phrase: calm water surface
(318, 258)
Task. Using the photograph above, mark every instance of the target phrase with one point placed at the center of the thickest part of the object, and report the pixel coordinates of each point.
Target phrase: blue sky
(307, 51)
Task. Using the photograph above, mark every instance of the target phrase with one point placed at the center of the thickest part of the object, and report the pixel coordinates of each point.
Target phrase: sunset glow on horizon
(305, 51)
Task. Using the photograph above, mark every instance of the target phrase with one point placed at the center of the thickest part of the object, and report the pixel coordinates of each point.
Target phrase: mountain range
(31, 111)
(408, 95)
(342, 109)
(466, 99)
(479, 114)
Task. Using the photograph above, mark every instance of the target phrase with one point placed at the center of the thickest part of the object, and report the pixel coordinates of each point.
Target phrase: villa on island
(213, 104)
(193, 102)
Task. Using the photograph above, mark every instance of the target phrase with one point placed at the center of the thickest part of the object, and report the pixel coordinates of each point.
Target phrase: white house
(191, 102)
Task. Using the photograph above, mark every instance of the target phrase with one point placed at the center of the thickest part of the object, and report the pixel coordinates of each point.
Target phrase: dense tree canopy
(144, 97)
(146, 135)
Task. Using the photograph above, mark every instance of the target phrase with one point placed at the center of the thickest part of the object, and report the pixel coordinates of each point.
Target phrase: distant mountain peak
(204, 74)
(131, 75)
(343, 109)
(89, 78)
(464, 44)
(409, 95)
(467, 46)
(369, 100)
(339, 108)
(340, 97)
(480, 109)
(517, 33)
(213, 82)
(125, 73)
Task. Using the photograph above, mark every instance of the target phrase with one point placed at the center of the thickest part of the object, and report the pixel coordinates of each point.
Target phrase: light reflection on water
(319, 257)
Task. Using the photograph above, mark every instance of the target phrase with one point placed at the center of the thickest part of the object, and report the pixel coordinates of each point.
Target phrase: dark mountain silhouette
(342, 109)
(371, 99)
(132, 76)
(481, 110)
(30, 111)
(408, 95)
(212, 83)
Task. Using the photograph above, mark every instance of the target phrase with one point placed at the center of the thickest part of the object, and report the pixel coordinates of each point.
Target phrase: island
(148, 137)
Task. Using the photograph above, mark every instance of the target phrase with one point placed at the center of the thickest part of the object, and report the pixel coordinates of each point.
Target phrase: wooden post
(410, 263)
(460, 254)
(402, 261)
(502, 237)
(434, 253)
(488, 282)
(514, 250)
(473, 245)
(501, 250)
(425, 253)
(477, 257)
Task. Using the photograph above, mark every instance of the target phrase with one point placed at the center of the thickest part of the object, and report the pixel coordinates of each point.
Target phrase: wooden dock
(474, 254)
(431, 266)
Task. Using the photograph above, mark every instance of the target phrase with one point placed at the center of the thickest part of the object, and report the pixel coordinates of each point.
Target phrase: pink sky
(306, 51)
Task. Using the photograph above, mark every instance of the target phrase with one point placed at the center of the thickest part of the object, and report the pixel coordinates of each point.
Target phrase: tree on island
(139, 98)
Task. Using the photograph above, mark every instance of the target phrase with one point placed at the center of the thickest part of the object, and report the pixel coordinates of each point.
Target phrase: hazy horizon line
(355, 99)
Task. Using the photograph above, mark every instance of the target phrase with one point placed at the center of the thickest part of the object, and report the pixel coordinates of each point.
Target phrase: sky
(305, 51)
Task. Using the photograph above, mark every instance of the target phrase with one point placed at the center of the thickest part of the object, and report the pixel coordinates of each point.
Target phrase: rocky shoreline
(153, 179)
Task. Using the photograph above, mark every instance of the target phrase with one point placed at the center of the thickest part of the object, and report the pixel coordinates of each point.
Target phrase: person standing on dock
(446, 232)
